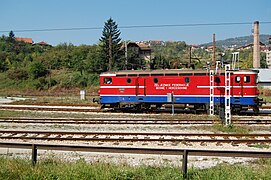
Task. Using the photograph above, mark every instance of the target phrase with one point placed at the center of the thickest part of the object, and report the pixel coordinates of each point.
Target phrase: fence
(184, 152)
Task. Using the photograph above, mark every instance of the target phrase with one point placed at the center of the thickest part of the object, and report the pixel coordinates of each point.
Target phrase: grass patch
(236, 172)
(71, 100)
(52, 168)
(231, 129)
(7, 113)
(260, 146)
(58, 169)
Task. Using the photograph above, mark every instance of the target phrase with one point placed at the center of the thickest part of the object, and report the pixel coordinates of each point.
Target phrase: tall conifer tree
(110, 43)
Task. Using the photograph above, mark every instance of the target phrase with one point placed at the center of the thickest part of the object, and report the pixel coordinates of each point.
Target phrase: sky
(61, 14)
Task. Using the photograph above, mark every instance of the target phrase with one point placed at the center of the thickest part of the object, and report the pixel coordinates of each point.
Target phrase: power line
(137, 26)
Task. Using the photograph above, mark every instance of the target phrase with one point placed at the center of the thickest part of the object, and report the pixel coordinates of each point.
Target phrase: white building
(264, 78)
(268, 59)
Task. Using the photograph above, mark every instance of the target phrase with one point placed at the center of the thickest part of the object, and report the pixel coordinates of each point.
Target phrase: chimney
(256, 45)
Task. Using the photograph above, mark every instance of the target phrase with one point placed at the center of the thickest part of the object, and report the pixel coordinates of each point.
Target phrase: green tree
(37, 69)
(246, 59)
(263, 60)
(93, 62)
(110, 43)
(11, 36)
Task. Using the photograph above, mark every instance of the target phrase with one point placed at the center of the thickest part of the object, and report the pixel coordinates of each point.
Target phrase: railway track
(118, 137)
(88, 108)
(51, 108)
(128, 121)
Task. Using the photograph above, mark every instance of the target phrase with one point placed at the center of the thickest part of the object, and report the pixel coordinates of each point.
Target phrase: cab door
(141, 88)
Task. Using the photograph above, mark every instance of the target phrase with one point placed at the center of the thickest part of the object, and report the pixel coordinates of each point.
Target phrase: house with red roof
(26, 40)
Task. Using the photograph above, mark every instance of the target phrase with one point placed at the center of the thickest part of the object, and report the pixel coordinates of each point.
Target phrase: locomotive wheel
(256, 109)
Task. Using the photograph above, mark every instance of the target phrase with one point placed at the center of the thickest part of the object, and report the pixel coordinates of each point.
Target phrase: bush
(43, 83)
(264, 91)
(78, 80)
(94, 79)
(40, 84)
(17, 74)
(37, 69)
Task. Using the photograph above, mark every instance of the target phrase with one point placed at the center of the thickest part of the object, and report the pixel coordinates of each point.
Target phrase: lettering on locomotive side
(170, 86)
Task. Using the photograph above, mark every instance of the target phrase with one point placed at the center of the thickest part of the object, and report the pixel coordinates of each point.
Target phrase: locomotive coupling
(94, 100)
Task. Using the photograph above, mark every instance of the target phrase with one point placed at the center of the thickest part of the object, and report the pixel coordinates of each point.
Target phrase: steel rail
(134, 136)
(136, 133)
(39, 108)
(125, 121)
(77, 108)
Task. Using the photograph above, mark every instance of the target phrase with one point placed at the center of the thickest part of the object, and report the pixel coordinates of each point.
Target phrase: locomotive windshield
(107, 80)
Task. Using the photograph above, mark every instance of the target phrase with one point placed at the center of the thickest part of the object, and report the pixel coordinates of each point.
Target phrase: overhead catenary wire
(136, 26)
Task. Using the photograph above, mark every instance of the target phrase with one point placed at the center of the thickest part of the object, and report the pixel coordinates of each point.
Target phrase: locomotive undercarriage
(196, 108)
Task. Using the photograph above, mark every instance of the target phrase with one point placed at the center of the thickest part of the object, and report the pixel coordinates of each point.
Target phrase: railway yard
(88, 125)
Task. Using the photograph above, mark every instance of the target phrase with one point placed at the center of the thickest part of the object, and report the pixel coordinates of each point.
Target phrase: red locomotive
(146, 89)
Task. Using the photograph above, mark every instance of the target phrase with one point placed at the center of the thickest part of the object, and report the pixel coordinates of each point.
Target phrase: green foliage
(11, 36)
(37, 69)
(75, 79)
(93, 60)
(43, 83)
(260, 146)
(263, 60)
(231, 129)
(17, 74)
(177, 55)
(54, 168)
(246, 58)
(110, 46)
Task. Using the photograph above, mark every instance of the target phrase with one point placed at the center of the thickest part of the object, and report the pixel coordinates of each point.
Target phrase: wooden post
(34, 154)
(184, 165)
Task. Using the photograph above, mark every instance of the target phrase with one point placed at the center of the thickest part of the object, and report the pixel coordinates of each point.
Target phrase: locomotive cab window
(107, 80)
(155, 80)
(247, 79)
(237, 79)
(187, 80)
(129, 80)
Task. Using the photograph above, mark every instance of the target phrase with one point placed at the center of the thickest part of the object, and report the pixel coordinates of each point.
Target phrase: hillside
(238, 41)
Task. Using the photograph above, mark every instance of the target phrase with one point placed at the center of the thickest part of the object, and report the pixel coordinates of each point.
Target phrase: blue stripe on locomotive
(178, 100)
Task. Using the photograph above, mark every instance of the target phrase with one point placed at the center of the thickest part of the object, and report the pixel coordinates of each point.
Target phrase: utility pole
(214, 49)
(126, 55)
(190, 55)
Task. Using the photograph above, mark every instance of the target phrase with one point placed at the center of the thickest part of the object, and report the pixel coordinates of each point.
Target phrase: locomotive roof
(169, 71)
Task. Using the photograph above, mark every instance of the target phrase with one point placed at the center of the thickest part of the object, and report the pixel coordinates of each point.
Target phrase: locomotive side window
(187, 79)
(129, 81)
(237, 79)
(247, 79)
(217, 80)
(107, 80)
(155, 80)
